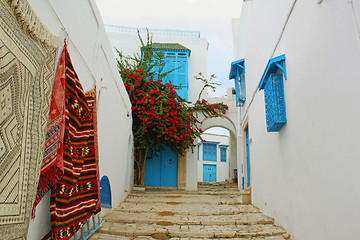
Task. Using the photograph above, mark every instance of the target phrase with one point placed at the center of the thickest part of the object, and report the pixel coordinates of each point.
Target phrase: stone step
(192, 231)
(170, 218)
(187, 209)
(199, 192)
(182, 198)
(105, 236)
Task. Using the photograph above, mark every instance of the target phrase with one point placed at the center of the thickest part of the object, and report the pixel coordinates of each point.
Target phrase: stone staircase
(214, 211)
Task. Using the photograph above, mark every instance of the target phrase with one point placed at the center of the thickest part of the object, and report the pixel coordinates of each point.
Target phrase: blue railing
(91, 225)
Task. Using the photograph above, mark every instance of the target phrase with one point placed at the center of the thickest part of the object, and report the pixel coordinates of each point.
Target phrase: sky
(211, 17)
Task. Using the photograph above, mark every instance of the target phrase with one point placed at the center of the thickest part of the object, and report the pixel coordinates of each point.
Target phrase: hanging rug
(75, 196)
(27, 67)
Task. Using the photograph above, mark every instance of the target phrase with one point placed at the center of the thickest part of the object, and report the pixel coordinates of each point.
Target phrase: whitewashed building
(94, 62)
(297, 70)
(213, 158)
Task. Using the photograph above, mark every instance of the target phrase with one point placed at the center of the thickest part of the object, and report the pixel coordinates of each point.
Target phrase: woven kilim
(91, 99)
(75, 196)
(27, 67)
(52, 168)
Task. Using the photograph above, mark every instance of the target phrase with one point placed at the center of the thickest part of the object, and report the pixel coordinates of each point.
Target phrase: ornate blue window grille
(105, 192)
(237, 72)
(273, 86)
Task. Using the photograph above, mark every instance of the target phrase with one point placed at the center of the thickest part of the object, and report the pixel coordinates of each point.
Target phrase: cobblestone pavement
(212, 212)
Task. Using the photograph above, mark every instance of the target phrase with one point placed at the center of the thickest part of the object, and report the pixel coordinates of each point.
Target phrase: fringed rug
(75, 196)
(94, 156)
(27, 65)
(52, 168)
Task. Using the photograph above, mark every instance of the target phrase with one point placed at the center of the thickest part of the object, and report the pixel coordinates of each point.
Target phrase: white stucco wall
(95, 64)
(307, 175)
(129, 44)
(222, 168)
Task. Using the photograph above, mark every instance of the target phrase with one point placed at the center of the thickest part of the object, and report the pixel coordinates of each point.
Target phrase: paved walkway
(212, 212)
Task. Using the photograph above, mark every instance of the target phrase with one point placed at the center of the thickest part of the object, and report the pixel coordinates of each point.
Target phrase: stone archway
(226, 123)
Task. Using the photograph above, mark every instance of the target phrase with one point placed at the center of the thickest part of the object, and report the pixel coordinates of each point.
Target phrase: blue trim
(173, 51)
(225, 146)
(273, 65)
(213, 142)
(237, 72)
(234, 65)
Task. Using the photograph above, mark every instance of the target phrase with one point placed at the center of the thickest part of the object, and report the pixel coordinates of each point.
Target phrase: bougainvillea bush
(160, 116)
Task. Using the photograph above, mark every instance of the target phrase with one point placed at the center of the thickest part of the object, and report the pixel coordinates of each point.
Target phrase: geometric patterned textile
(27, 67)
(52, 168)
(74, 197)
(91, 99)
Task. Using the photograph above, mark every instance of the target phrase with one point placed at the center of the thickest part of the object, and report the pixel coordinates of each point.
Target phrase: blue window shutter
(198, 152)
(237, 72)
(275, 103)
(223, 154)
(178, 77)
(105, 192)
(209, 152)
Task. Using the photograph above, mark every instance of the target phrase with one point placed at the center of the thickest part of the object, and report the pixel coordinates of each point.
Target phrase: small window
(223, 154)
(105, 192)
(273, 85)
(237, 72)
(275, 103)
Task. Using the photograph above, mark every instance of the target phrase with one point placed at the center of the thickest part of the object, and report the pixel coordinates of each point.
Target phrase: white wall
(95, 64)
(129, 44)
(307, 175)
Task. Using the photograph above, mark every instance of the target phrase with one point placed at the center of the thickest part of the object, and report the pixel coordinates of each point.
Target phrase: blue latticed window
(105, 192)
(210, 152)
(223, 154)
(273, 85)
(237, 72)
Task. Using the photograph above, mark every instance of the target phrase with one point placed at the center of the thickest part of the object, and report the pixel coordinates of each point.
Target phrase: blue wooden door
(162, 170)
(209, 173)
(247, 156)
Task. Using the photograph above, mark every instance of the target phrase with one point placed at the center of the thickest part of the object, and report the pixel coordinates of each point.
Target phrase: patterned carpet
(76, 195)
(27, 66)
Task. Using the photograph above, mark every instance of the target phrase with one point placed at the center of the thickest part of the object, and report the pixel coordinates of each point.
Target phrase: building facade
(297, 62)
(92, 56)
(213, 158)
(186, 52)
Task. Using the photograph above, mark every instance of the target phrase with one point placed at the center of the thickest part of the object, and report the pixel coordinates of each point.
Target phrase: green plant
(160, 115)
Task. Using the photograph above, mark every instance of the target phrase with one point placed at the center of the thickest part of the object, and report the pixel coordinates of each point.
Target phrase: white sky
(211, 17)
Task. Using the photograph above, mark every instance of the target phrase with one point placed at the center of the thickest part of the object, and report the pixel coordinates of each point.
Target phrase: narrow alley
(214, 211)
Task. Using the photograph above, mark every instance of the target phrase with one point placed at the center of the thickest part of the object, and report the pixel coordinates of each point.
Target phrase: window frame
(237, 72)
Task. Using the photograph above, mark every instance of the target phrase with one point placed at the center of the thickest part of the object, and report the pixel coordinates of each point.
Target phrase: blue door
(162, 170)
(247, 156)
(209, 173)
